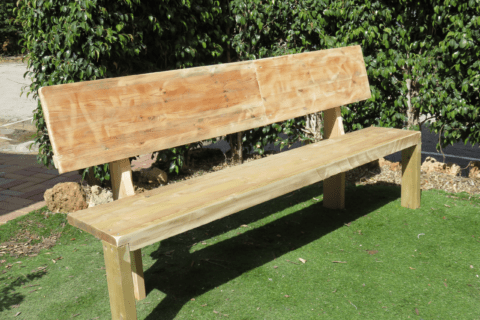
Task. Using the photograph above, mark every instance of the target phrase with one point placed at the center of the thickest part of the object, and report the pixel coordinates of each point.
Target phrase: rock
(474, 172)
(97, 195)
(66, 197)
(394, 166)
(382, 162)
(453, 169)
(152, 175)
(432, 165)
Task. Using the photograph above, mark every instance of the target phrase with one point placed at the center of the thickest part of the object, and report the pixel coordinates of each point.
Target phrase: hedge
(422, 57)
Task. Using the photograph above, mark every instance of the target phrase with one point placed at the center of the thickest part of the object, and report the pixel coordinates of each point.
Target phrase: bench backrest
(95, 122)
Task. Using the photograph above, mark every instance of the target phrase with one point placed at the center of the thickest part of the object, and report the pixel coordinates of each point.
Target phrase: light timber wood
(122, 181)
(137, 274)
(122, 186)
(333, 123)
(120, 284)
(334, 186)
(411, 160)
(101, 121)
(158, 214)
(108, 121)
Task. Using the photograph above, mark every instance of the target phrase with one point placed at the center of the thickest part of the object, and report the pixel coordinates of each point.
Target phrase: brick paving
(23, 182)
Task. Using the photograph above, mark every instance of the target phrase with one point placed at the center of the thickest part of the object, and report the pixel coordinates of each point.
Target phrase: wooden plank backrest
(95, 122)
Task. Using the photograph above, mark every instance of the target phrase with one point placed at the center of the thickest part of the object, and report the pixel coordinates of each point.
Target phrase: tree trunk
(313, 126)
(412, 113)
(235, 142)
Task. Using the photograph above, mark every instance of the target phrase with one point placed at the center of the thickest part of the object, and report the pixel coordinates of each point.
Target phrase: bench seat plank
(161, 213)
(96, 122)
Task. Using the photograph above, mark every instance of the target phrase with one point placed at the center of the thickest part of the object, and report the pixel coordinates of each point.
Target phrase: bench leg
(334, 192)
(411, 159)
(137, 274)
(120, 283)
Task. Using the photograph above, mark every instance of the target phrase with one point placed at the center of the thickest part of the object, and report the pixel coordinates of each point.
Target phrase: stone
(152, 175)
(97, 195)
(453, 169)
(66, 197)
(432, 165)
(474, 172)
(382, 162)
(394, 166)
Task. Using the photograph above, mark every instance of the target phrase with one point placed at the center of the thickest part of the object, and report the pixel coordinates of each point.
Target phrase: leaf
(302, 260)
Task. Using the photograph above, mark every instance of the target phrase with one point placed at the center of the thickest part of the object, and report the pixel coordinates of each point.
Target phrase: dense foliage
(9, 32)
(433, 44)
(70, 41)
(422, 56)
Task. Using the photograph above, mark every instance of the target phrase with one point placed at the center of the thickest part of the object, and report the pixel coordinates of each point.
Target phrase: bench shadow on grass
(8, 296)
(182, 275)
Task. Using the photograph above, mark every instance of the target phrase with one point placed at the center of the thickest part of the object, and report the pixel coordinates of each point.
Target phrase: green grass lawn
(373, 260)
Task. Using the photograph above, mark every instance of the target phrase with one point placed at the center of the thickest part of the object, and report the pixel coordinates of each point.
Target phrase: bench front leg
(120, 282)
(411, 161)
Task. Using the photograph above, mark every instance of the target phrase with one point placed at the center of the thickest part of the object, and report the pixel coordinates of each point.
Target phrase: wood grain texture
(95, 122)
(158, 214)
(137, 274)
(411, 162)
(120, 284)
(122, 186)
(334, 186)
(122, 180)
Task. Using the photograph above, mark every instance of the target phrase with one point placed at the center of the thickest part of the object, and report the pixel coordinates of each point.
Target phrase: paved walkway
(23, 182)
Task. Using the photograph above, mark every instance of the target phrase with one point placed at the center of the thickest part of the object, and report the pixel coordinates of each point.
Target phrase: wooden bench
(110, 120)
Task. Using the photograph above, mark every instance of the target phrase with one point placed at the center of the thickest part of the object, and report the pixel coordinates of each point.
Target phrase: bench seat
(158, 214)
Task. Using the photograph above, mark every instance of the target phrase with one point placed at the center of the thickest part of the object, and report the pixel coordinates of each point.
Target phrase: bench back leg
(137, 274)
(411, 161)
(120, 283)
(333, 187)
(122, 186)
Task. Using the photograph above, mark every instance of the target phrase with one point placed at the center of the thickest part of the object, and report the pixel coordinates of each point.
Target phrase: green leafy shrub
(9, 32)
(72, 41)
(433, 45)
